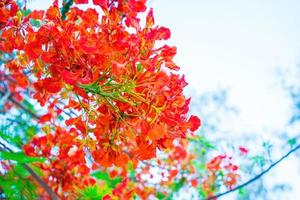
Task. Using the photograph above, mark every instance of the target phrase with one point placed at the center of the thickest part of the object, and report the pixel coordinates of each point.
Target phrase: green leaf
(259, 160)
(20, 157)
(139, 67)
(95, 192)
(202, 193)
(176, 186)
(131, 171)
(66, 7)
(199, 165)
(243, 193)
(28, 105)
(20, 169)
(17, 188)
(11, 139)
(35, 23)
(26, 12)
(202, 141)
(292, 142)
(11, 188)
(160, 196)
(100, 175)
(30, 131)
(105, 177)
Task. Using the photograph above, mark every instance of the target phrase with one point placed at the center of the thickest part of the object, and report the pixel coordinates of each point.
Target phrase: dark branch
(23, 107)
(36, 177)
(257, 176)
(41, 182)
(18, 104)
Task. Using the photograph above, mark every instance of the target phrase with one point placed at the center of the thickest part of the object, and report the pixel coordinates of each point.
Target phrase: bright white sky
(239, 45)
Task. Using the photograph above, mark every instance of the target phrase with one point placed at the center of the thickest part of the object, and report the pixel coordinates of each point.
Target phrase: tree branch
(41, 182)
(23, 108)
(36, 177)
(257, 176)
(11, 99)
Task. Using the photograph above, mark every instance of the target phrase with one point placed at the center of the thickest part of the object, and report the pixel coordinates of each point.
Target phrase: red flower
(81, 1)
(194, 122)
(243, 150)
(194, 183)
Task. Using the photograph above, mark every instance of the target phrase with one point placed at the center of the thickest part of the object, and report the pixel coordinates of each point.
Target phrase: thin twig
(4, 98)
(14, 101)
(257, 176)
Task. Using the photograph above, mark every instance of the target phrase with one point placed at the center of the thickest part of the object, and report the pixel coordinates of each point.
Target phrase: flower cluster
(107, 69)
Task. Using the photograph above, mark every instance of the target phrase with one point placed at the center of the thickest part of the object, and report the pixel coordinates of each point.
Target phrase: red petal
(45, 118)
(243, 150)
(28, 150)
(69, 77)
(157, 132)
(37, 14)
(137, 5)
(150, 19)
(53, 13)
(102, 3)
(171, 65)
(81, 1)
(164, 33)
(52, 86)
(194, 122)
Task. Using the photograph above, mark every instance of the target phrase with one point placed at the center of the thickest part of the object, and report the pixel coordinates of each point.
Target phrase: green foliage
(95, 192)
(36, 23)
(131, 171)
(10, 138)
(20, 170)
(16, 185)
(259, 160)
(161, 196)
(111, 182)
(202, 192)
(292, 142)
(30, 131)
(243, 193)
(66, 7)
(17, 129)
(19, 157)
(200, 145)
(176, 186)
(139, 67)
(29, 105)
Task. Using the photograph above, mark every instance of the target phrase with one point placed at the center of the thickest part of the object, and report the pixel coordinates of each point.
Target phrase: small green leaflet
(95, 192)
(36, 23)
(104, 176)
(259, 160)
(29, 105)
(176, 186)
(202, 141)
(11, 139)
(292, 142)
(20, 157)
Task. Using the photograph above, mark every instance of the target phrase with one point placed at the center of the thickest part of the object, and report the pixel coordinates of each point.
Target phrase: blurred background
(241, 60)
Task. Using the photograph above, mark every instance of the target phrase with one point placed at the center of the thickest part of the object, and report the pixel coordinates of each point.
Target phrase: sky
(239, 45)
